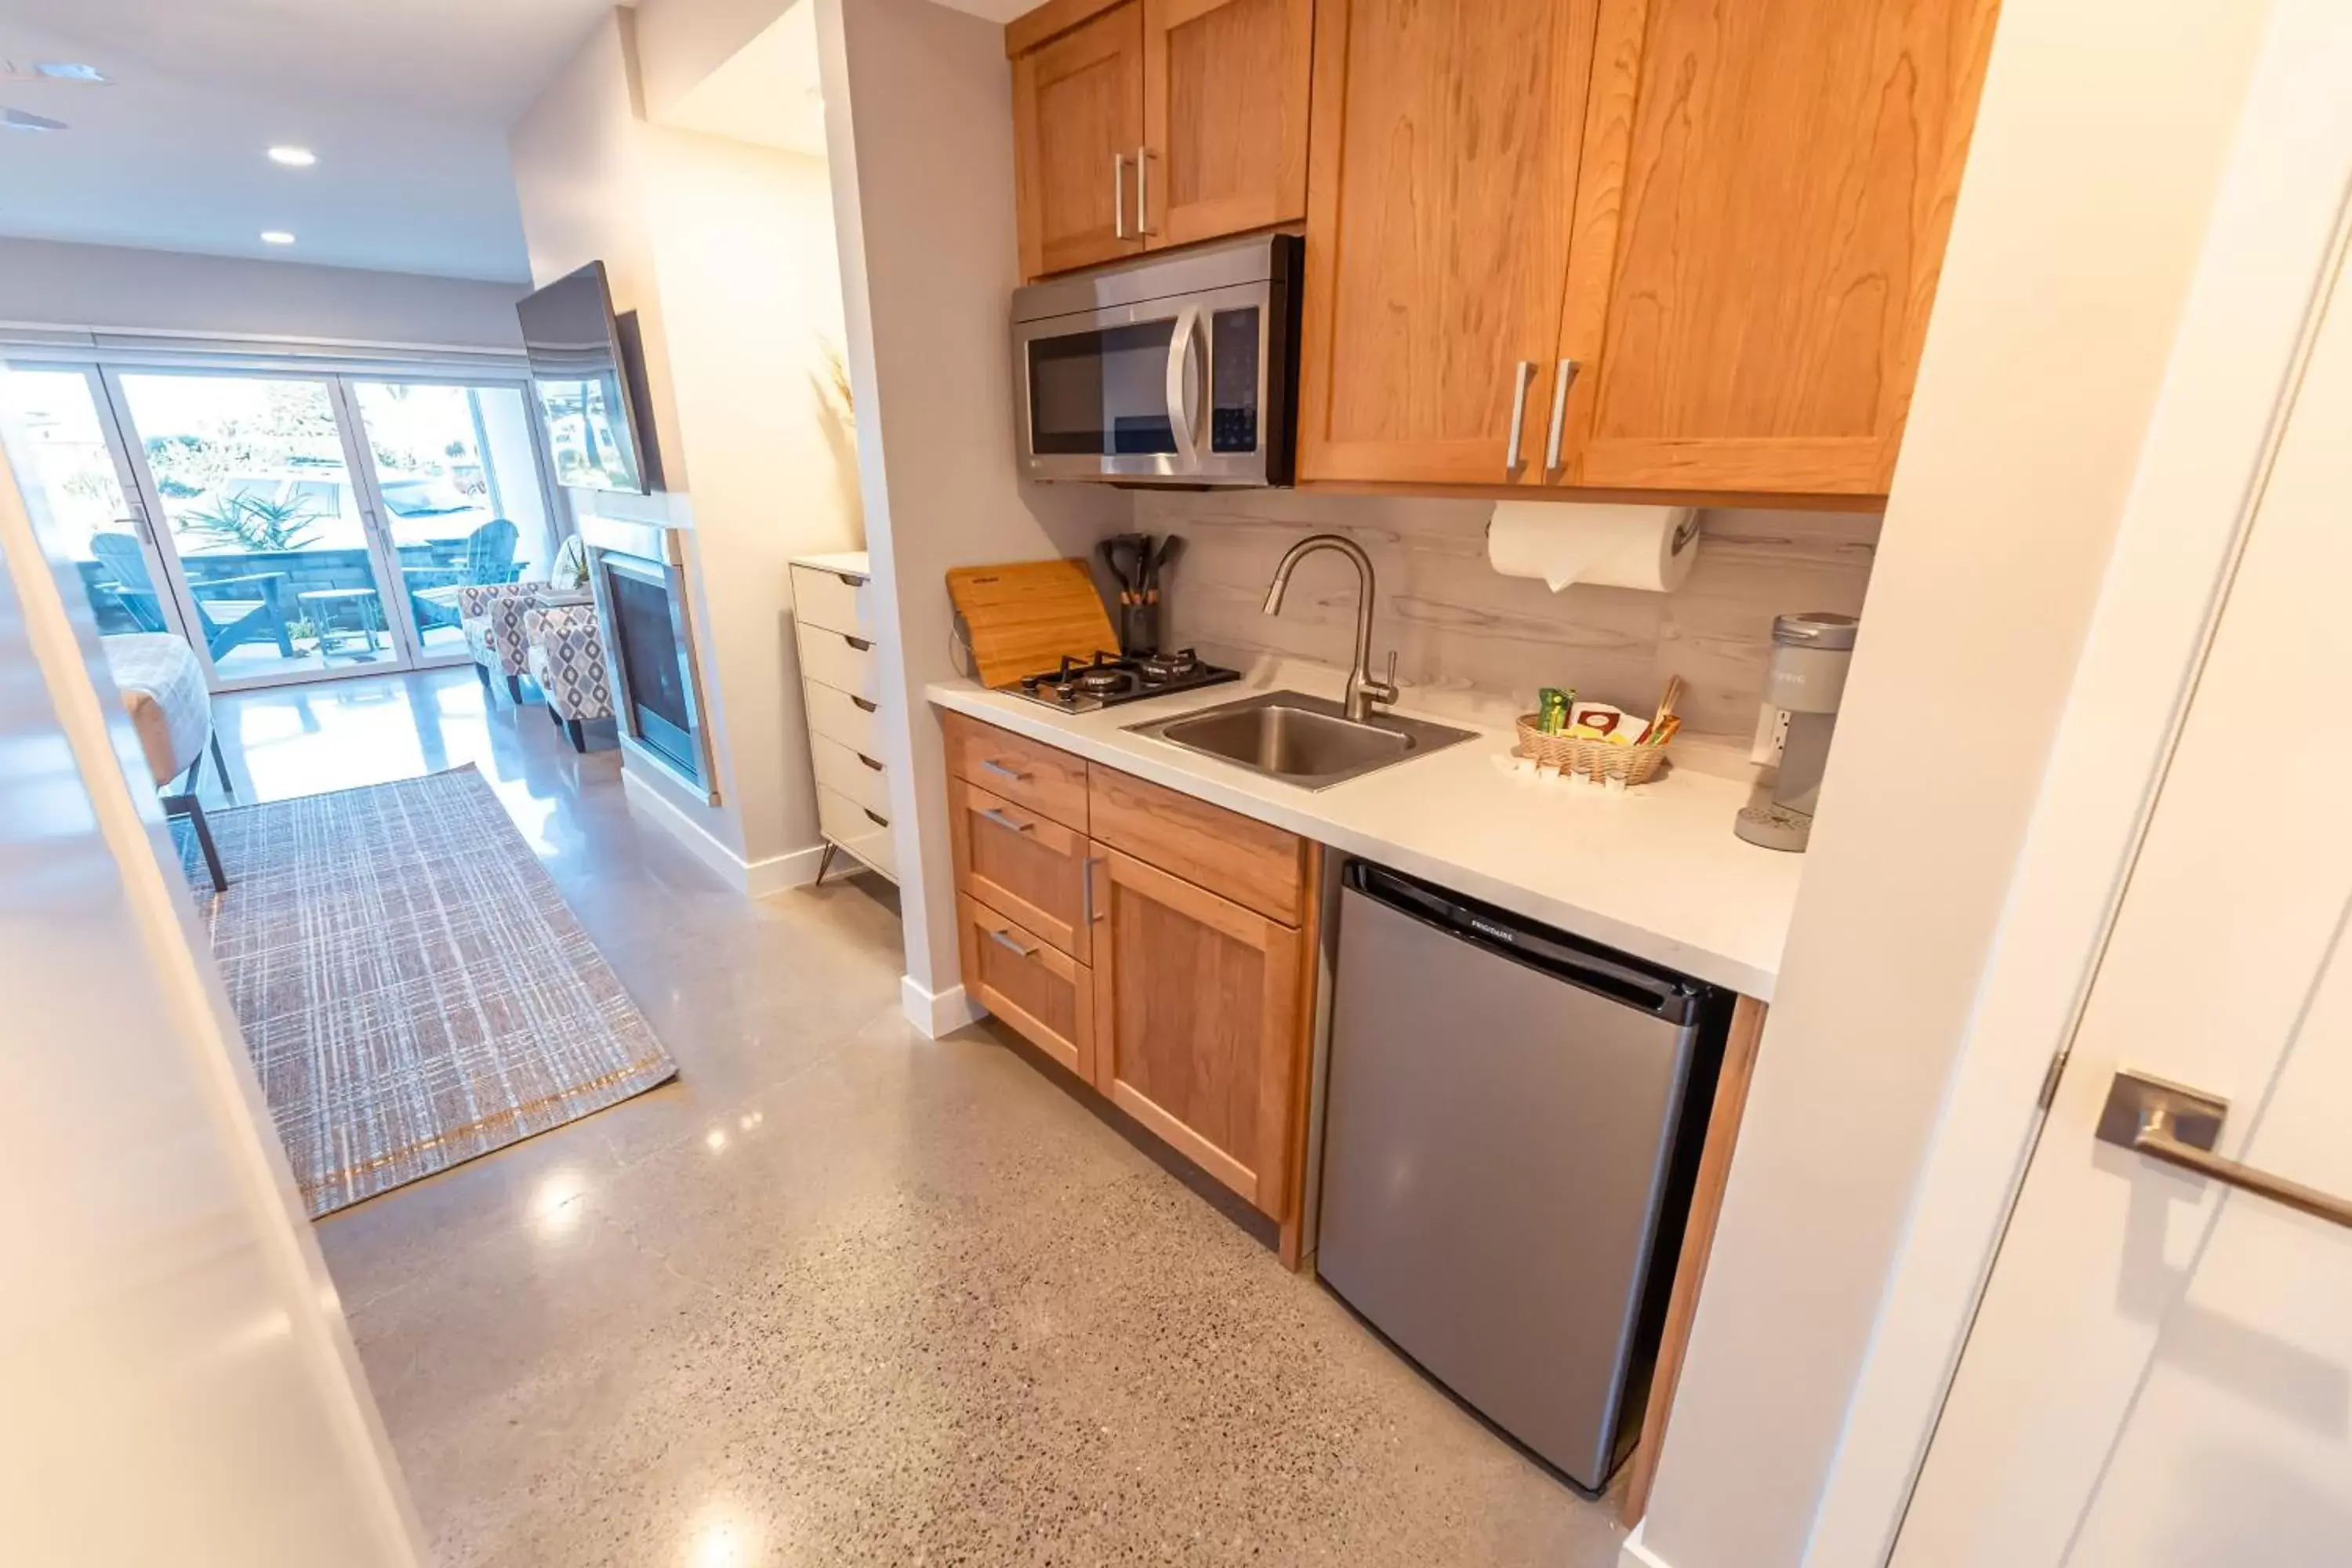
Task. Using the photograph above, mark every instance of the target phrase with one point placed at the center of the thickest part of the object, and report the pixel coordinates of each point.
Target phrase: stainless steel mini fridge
(1512, 1131)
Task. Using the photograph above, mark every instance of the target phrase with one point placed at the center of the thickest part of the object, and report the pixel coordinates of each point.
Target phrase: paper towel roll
(1647, 547)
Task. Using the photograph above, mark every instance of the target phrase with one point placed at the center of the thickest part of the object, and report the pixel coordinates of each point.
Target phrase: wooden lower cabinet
(1030, 983)
(1200, 1013)
(1166, 957)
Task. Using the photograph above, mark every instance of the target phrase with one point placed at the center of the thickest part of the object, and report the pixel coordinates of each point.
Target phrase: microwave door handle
(1181, 386)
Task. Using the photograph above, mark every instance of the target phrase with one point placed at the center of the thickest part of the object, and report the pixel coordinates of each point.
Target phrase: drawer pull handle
(849, 582)
(874, 816)
(866, 707)
(1005, 939)
(1086, 915)
(1002, 772)
(869, 762)
(861, 644)
(998, 817)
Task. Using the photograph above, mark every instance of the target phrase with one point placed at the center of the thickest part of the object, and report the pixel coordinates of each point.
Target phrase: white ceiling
(406, 102)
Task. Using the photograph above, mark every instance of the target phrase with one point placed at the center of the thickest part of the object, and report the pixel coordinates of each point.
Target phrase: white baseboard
(1634, 1554)
(936, 1013)
(755, 879)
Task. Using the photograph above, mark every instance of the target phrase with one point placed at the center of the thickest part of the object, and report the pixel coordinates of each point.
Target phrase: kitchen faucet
(1362, 689)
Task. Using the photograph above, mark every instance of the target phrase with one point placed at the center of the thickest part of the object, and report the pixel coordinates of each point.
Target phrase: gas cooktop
(1108, 679)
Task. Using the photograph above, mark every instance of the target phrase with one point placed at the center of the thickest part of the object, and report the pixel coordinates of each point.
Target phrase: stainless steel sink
(1301, 740)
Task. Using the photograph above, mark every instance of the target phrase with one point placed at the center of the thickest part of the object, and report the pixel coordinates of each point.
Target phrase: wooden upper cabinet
(1440, 189)
(1077, 125)
(1225, 113)
(1765, 192)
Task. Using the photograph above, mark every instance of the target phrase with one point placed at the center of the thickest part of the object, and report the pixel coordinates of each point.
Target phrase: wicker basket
(1597, 760)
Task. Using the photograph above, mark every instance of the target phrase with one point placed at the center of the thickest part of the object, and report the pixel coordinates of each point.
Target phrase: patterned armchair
(490, 614)
(564, 653)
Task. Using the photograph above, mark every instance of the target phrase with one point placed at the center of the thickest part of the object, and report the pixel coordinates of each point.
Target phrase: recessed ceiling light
(293, 157)
(20, 120)
(276, 237)
(68, 70)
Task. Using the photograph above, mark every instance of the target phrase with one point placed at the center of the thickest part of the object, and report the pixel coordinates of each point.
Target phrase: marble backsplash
(1472, 639)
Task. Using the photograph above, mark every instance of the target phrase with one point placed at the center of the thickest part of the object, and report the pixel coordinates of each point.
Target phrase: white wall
(727, 252)
(2088, 194)
(181, 1386)
(750, 290)
(105, 288)
(919, 121)
(681, 42)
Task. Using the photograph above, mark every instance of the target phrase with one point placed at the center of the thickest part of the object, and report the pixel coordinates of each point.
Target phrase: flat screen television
(583, 378)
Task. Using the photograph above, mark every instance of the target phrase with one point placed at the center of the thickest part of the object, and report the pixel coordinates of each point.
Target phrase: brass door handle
(2180, 1126)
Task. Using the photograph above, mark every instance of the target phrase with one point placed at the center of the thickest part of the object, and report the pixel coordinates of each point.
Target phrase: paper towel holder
(1686, 531)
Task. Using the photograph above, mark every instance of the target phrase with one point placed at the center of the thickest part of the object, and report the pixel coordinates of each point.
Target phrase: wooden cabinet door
(1200, 1015)
(1038, 990)
(1077, 125)
(1443, 177)
(1021, 864)
(1761, 217)
(1225, 116)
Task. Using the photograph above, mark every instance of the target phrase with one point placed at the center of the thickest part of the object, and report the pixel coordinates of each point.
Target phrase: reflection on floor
(841, 1294)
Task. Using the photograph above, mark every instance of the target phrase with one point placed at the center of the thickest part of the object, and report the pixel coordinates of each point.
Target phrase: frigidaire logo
(1498, 932)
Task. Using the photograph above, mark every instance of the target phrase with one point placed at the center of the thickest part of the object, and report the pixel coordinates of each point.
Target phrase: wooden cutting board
(1024, 615)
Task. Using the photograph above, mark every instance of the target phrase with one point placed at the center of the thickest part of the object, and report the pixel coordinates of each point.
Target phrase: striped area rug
(413, 990)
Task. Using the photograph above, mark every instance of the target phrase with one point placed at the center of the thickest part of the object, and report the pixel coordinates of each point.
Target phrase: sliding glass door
(291, 526)
(457, 471)
(79, 487)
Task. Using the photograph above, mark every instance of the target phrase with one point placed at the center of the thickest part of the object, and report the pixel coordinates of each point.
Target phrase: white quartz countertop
(1654, 871)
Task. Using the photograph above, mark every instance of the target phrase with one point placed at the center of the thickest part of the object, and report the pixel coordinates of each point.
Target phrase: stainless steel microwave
(1178, 370)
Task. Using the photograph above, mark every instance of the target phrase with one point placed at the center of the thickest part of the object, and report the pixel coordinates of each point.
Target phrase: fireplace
(638, 574)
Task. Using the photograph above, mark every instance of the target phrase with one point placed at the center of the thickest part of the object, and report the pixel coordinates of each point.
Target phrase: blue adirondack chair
(235, 610)
(490, 558)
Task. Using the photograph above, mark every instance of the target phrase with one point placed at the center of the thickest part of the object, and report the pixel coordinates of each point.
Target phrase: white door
(2160, 1375)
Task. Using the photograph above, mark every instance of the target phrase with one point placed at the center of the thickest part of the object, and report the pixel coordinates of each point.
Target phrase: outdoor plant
(254, 521)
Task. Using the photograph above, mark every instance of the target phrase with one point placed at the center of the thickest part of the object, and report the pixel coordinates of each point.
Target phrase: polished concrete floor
(840, 1294)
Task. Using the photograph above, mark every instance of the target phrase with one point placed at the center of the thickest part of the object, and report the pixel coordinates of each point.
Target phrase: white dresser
(841, 686)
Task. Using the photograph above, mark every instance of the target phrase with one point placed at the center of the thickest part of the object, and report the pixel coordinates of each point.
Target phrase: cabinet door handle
(874, 816)
(997, 816)
(1522, 374)
(849, 581)
(869, 762)
(1005, 939)
(1143, 192)
(1001, 771)
(1118, 196)
(860, 643)
(1086, 915)
(1562, 379)
(866, 707)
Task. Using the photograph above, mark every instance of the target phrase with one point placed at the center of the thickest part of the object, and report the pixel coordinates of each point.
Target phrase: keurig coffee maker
(1809, 655)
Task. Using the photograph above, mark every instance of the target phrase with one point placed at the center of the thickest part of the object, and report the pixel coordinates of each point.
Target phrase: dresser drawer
(837, 716)
(853, 773)
(1260, 867)
(861, 830)
(839, 660)
(832, 600)
(1023, 864)
(1030, 983)
(1024, 772)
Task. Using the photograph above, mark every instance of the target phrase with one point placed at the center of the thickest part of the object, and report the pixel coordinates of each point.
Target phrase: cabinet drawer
(1023, 865)
(837, 716)
(853, 773)
(1260, 867)
(831, 600)
(861, 830)
(1023, 772)
(839, 660)
(1038, 990)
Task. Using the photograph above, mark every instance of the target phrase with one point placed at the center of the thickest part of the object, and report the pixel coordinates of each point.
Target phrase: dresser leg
(823, 863)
